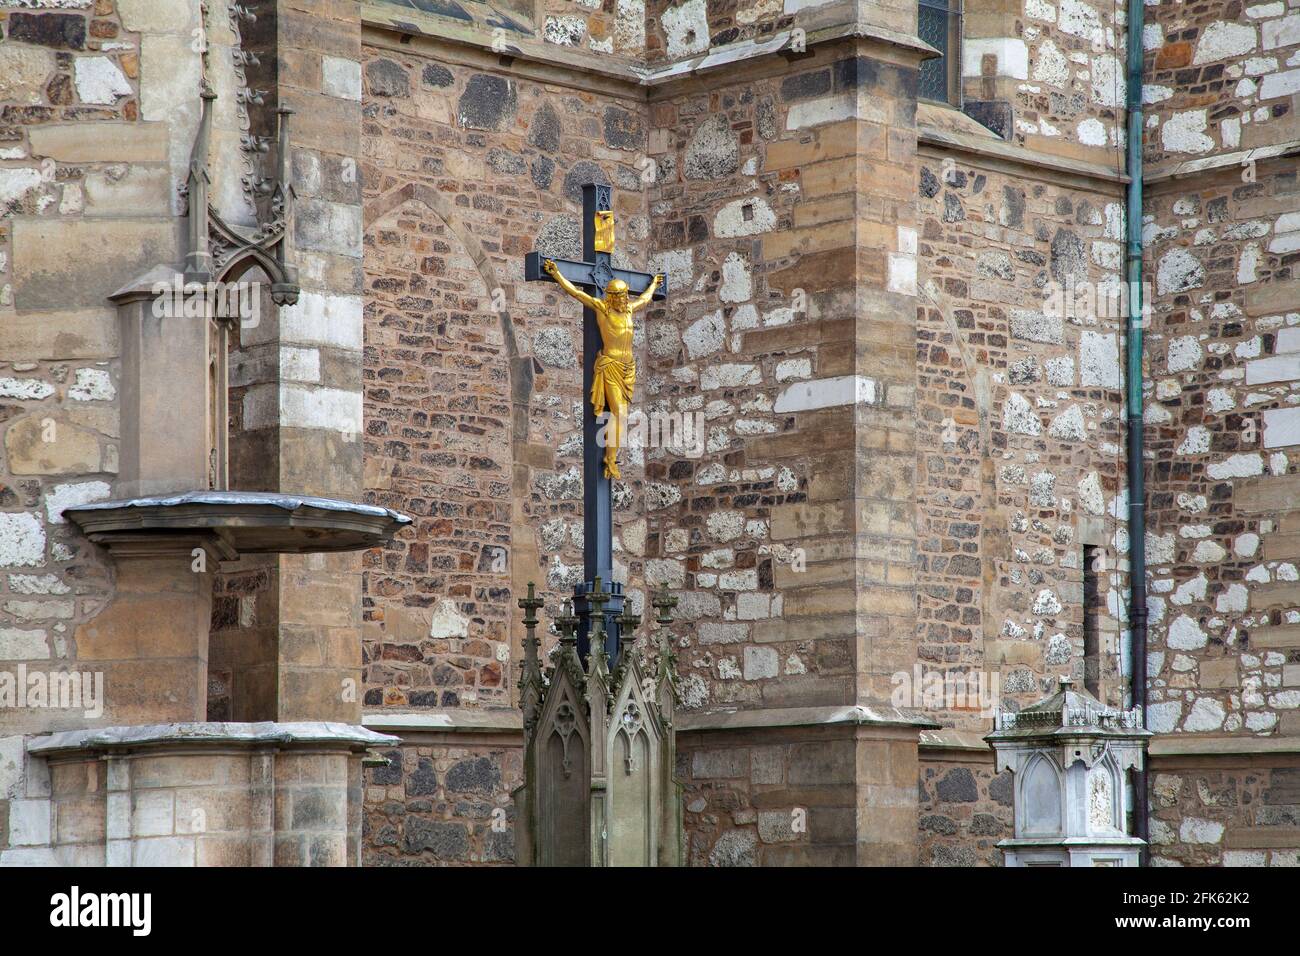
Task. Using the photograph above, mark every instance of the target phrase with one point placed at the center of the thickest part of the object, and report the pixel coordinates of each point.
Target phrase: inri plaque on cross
(609, 296)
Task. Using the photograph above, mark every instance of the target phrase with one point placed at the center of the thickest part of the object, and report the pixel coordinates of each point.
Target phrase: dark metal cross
(592, 274)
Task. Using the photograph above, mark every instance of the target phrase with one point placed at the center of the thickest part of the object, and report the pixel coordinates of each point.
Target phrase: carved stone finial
(567, 658)
(598, 598)
(665, 604)
(530, 674)
(567, 624)
(597, 659)
(218, 249)
(666, 670)
(627, 625)
(530, 604)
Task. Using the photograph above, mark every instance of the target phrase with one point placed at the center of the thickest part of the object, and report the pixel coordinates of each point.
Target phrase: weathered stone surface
(623, 129)
(487, 103)
(579, 174)
(479, 775)
(686, 28)
(60, 31)
(435, 76)
(954, 453)
(23, 72)
(712, 152)
(99, 80)
(47, 446)
(734, 848)
(342, 77)
(100, 142)
(69, 264)
(22, 541)
(386, 78)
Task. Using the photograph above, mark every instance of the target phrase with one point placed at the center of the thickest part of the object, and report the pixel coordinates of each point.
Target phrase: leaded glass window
(939, 24)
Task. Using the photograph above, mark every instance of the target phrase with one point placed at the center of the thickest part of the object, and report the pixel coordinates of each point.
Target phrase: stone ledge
(521, 44)
(1257, 838)
(209, 734)
(951, 137)
(1208, 164)
(243, 522)
(971, 741)
(756, 49)
(803, 717)
(510, 721)
(1181, 745)
(101, 142)
(379, 18)
(60, 335)
(483, 721)
(1076, 842)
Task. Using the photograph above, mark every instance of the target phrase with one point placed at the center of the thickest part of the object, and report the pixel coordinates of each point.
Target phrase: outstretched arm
(641, 301)
(554, 272)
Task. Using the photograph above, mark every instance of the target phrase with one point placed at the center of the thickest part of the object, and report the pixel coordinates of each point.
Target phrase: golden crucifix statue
(615, 369)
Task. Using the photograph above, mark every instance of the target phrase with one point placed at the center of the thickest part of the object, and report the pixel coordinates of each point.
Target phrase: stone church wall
(471, 374)
(93, 159)
(471, 412)
(1222, 232)
(965, 809)
(754, 204)
(1048, 76)
(1220, 78)
(99, 108)
(443, 804)
(94, 143)
(1020, 466)
(880, 492)
(1022, 460)
(1222, 369)
(755, 529)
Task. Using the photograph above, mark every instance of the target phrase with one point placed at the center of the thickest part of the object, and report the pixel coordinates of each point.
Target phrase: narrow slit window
(1094, 606)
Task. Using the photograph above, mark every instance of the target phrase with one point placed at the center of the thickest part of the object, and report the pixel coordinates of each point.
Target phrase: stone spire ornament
(218, 250)
(598, 761)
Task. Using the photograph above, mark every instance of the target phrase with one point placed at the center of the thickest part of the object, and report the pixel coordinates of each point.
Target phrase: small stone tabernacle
(1069, 754)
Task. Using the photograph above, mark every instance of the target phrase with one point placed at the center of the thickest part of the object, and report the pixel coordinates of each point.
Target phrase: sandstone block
(60, 264)
(43, 445)
(100, 142)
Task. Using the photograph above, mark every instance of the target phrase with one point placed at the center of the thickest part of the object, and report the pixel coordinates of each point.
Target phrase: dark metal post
(1137, 567)
(597, 490)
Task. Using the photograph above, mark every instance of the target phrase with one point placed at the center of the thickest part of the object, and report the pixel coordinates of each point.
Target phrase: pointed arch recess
(519, 366)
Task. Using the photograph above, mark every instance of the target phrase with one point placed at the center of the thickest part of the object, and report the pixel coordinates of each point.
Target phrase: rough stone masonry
(908, 462)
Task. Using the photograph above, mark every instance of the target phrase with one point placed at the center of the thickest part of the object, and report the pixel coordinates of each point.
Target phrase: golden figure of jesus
(615, 373)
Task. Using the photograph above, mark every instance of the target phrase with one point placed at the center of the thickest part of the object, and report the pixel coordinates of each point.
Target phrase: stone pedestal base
(1121, 852)
(207, 794)
(151, 643)
(801, 786)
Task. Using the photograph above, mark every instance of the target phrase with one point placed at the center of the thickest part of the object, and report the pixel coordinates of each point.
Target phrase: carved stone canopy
(220, 251)
(177, 326)
(241, 522)
(1066, 721)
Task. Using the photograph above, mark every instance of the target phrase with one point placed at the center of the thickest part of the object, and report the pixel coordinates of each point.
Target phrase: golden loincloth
(612, 381)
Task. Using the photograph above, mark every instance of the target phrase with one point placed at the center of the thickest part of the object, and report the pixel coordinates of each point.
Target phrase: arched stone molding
(520, 370)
